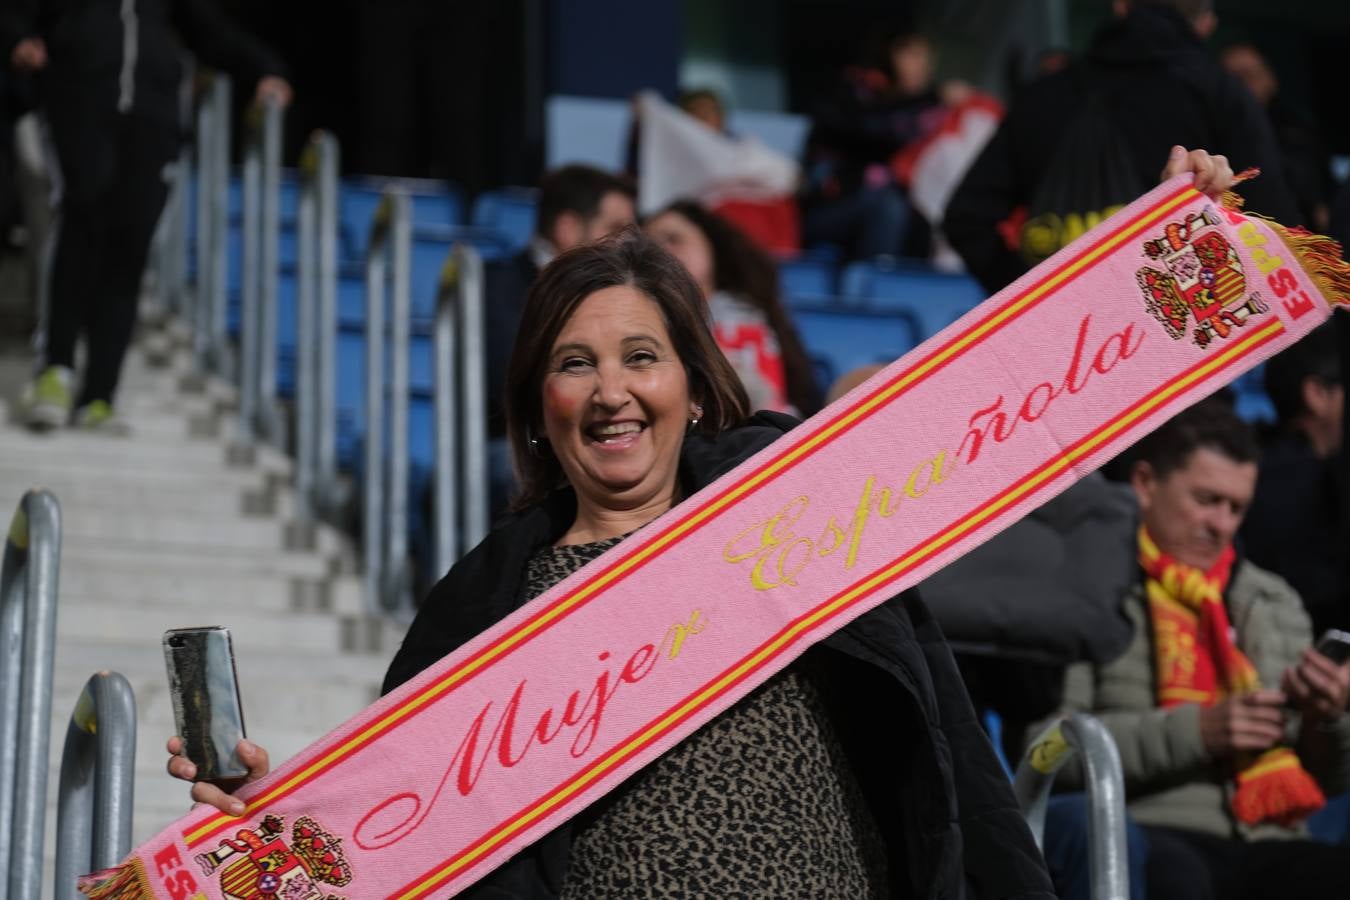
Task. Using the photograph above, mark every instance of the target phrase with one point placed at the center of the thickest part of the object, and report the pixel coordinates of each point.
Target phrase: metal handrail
(446, 409)
(316, 328)
(372, 505)
(461, 408)
(306, 387)
(258, 416)
(325, 452)
(398, 584)
(28, 589)
(171, 249)
(217, 198)
(94, 798)
(384, 511)
(1085, 737)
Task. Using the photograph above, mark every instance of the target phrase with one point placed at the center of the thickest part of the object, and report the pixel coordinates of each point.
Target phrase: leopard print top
(760, 802)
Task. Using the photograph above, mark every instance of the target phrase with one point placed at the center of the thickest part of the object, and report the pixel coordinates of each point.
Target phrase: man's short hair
(576, 189)
(1210, 424)
(1315, 356)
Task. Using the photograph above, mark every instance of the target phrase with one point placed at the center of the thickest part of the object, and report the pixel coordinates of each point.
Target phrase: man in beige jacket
(1216, 708)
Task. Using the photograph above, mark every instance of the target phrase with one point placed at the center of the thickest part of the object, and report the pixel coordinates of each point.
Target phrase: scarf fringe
(124, 882)
(1320, 256)
(1276, 789)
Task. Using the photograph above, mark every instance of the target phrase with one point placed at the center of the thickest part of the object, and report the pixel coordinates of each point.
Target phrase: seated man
(577, 205)
(1229, 725)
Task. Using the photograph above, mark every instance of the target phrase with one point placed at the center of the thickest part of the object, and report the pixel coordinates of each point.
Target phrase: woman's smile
(616, 403)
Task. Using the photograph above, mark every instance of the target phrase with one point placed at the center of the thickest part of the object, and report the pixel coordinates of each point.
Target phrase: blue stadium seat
(806, 279)
(510, 212)
(358, 200)
(1252, 402)
(934, 299)
(839, 339)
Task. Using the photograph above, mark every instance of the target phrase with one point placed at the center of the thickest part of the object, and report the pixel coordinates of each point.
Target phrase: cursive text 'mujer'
(507, 743)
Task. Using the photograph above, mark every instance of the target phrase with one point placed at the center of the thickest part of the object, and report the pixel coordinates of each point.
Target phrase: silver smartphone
(206, 706)
(1335, 646)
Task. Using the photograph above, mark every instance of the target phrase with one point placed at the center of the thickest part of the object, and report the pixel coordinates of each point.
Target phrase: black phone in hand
(206, 706)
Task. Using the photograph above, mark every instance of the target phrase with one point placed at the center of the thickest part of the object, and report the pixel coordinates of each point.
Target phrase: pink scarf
(442, 780)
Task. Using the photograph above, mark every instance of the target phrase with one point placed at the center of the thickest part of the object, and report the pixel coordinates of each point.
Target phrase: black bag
(1090, 176)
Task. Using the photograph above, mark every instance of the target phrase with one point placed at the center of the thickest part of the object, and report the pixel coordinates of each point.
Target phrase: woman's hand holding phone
(218, 794)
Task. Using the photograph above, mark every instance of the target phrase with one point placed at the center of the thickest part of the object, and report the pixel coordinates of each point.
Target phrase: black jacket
(124, 54)
(1293, 527)
(1161, 88)
(943, 804)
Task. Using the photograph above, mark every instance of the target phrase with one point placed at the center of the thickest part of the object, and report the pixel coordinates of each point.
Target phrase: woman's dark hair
(626, 258)
(740, 267)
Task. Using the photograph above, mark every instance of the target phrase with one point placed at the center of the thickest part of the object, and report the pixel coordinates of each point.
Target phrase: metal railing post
(472, 354)
(170, 240)
(461, 408)
(249, 314)
(397, 582)
(1085, 737)
(306, 386)
(270, 423)
(326, 364)
(201, 288)
(219, 211)
(94, 799)
(446, 510)
(372, 507)
(28, 588)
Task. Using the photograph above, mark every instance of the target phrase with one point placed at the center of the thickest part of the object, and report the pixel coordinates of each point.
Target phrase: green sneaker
(101, 417)
(47, 399)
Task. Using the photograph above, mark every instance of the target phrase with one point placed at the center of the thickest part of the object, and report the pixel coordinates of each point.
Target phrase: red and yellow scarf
(1198, 662)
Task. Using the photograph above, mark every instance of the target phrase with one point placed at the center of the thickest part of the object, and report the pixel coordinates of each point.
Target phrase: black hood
(1149, 34)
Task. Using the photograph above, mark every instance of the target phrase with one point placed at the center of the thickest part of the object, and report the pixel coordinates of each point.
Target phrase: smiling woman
(837, 777)
(612, 345)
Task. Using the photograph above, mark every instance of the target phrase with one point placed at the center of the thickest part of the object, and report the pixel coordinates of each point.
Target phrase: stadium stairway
(172, 527)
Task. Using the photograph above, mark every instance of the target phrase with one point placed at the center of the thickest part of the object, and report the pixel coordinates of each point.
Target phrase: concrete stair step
(279, 632)
(115, 454)
(143, 494)
(246, 593)
(207, 562)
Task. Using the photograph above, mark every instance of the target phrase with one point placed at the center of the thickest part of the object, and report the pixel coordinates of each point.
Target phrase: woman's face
(686, 243)
(616, 402)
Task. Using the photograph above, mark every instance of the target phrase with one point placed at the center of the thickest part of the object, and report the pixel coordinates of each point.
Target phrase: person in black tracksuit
(109, 78)
(1161, 88)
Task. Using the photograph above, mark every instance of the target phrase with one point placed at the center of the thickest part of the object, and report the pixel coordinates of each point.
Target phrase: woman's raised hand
(1213, 175)
(218, 794)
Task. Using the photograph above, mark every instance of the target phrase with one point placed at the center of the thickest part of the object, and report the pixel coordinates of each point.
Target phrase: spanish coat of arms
(263, 864)
(1202, 281)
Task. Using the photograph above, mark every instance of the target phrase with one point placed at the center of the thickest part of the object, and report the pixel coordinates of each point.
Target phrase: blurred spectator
(1081, 142)
(683, 155)
(577, 205)
(109, 91)
(705, 105)
(1294, 526)
(850, 194)
(1219, 765)
(1307, 166)
(740, 283)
